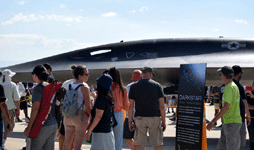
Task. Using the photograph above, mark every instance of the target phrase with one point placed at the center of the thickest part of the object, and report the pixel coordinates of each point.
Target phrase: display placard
(191, 94)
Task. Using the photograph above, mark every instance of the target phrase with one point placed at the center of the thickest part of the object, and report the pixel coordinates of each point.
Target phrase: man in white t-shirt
(127, 134)
(13, 102)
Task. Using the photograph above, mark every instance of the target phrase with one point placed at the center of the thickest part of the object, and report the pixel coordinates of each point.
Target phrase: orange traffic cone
(204, 139)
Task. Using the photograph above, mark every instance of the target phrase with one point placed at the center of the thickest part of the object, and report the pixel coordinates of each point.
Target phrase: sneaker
(27, 119)
(168, 111)
(18, 120)
(172, 119)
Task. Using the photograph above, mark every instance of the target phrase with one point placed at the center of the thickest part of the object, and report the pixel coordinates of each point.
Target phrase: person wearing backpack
(75, 126)
(43, 124)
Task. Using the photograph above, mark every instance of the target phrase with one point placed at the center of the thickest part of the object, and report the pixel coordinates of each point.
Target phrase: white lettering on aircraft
(149, 55)
(114, 59)
(130, 55)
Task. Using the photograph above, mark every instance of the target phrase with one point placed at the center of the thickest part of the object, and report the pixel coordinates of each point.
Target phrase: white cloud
(164, 22)
(20, 17)
(64, 18)
(32, 17)
(110, 14)
(22, 36)
(41, 17)
(15, 43)
(81, 10)
(62, 6)
(215, 30)
(241, 21)
(22, 2)
(132, 11)
(144, 8)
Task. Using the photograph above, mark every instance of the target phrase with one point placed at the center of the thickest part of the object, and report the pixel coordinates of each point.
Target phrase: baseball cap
(237, 69)
(136, 75)
(105, 81)
(226, 70)
(147, 69)
(8, 72)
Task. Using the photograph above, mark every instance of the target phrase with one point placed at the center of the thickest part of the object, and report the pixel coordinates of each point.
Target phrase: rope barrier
(171, 106)
(249, 117)
(26, 99)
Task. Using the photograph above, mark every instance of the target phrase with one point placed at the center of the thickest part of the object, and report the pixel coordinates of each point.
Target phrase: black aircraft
(164, 55)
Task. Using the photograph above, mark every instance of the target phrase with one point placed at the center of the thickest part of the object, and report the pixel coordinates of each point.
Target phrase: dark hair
(47, 66)
(105, 92)
(73, 67)
(25, 85)
(78, 70)
(228, 76)
(115, 74)
(106, 71)
(41, 72)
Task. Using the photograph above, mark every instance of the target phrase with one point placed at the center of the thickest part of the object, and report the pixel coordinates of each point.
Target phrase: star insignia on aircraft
(233, 45)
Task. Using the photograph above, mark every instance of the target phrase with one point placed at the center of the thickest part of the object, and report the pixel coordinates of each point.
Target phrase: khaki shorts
(12, 116)
(153, 125)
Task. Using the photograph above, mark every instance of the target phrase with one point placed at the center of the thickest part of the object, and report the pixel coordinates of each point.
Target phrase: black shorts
(127, 134)
(62, 129)
(23, 105)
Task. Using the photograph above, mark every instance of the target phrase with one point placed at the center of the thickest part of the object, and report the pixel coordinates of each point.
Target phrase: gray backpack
(70, 103)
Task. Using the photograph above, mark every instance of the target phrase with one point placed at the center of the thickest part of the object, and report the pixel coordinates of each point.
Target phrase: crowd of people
(109, 112)
(104, 114)
(233, 108)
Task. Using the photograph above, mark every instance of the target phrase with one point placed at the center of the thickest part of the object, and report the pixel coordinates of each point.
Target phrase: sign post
(190, 107)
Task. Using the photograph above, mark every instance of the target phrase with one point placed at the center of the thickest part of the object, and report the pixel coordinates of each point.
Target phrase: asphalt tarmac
(16, 139)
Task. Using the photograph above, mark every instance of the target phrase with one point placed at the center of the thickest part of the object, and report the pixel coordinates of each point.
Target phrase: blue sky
(31, 30)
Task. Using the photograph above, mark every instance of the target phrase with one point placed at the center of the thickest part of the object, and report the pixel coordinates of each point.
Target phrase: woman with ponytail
(121, 102)
(75, 127)
(45, 139)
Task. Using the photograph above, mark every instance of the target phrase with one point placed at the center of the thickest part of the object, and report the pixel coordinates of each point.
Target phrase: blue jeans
(251, 134)
(118, 130)
(1, 134)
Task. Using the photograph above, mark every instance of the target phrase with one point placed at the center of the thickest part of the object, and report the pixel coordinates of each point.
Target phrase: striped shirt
(12, 94)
